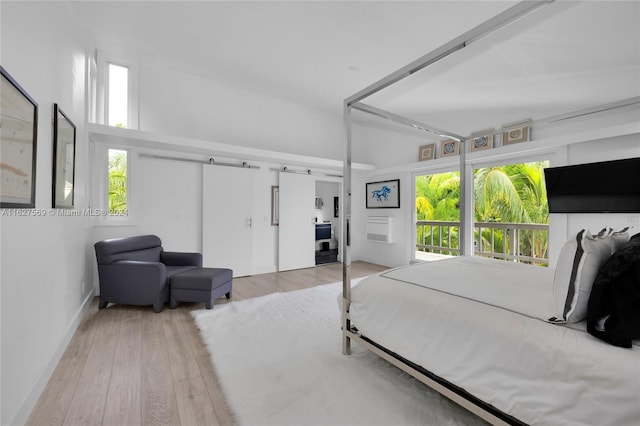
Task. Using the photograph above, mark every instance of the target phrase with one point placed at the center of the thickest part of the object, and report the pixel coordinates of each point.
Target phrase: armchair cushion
(132, 282)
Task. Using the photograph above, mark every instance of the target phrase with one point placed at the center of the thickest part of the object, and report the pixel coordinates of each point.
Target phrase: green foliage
(438, 197)
(117, 181)
(508, 194)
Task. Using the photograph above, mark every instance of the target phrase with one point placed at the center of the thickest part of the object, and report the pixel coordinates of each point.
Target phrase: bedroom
(45, 48)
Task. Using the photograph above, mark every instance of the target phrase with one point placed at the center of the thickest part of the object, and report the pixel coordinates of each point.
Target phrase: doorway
(305, 201)
(327, 222)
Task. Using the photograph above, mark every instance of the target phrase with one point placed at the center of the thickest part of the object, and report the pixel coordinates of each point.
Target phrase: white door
(296, 234)
(227, 208)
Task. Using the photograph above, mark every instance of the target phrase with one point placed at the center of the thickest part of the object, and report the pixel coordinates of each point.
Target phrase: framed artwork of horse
(384, 194)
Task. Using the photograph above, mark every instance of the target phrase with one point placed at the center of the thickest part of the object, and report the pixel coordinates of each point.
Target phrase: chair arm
(174, 258)
(131, 273)
(133, 282)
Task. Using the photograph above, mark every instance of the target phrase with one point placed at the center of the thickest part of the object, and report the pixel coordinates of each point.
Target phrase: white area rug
(279, 362)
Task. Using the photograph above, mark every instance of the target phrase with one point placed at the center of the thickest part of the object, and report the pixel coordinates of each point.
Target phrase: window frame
(107, 110)
(103, 61)
(127, 183)
(556, 155)
(99, 209)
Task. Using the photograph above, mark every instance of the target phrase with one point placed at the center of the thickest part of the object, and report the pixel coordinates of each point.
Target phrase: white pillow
(618, 238)
(578, 264)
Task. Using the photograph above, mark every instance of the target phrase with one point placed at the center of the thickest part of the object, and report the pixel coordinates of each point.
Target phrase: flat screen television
(323, 231)
(604, 187)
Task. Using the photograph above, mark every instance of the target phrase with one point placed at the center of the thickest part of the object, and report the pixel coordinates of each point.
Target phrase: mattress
(480, 324)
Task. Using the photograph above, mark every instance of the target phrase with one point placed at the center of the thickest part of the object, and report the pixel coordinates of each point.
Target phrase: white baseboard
(23, 415)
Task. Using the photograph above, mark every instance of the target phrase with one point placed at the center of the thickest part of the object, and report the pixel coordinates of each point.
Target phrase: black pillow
(613, 311)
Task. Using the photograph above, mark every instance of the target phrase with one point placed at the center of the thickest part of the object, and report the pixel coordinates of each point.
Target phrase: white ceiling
(570, 55)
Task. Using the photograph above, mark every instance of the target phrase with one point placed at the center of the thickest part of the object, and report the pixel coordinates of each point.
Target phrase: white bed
(479, 331)
(481, 324)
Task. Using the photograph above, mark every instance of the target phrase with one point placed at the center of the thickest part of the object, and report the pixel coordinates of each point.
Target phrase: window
(111, 182)
(438, 215)
(118, 183)
(116, 100)
(511, 213)
(117, 95)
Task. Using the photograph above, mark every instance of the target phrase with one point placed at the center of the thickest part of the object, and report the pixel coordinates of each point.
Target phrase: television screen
(604, 187)
(323, 231)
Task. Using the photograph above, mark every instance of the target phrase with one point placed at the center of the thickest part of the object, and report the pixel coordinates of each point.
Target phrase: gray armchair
(136, 270)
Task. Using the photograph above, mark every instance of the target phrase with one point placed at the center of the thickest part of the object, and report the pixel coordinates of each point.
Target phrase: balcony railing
(518, 242)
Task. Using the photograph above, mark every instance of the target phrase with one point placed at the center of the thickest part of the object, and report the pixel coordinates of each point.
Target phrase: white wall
(386, 144)
(44, 259)
(176, 103)
(398, 251)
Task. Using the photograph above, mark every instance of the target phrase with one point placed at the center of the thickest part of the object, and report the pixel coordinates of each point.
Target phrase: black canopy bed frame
(349, 332)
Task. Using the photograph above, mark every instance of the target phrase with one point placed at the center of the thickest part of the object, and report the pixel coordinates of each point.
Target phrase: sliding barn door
(296, 235)
(227, 209)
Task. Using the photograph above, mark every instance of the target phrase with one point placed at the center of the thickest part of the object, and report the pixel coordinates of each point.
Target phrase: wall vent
(379, 228)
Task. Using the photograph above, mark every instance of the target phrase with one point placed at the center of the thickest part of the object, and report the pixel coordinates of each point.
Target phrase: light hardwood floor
(127, 365)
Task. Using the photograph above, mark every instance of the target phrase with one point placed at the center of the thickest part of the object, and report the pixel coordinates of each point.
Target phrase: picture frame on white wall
(449, 148)
(18, 144)
(427, 152)
(482, 140)
(64, 151)
(516, 133)
(383, 195)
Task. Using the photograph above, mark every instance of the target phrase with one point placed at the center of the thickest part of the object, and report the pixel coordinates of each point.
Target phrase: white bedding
(493, 341)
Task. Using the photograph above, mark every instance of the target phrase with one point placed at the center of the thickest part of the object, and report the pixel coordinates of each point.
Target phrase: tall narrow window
(118, 95)
(118, 199)
(511, 212)
(438, 215)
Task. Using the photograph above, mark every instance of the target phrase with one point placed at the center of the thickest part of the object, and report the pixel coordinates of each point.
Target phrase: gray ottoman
(200, 285)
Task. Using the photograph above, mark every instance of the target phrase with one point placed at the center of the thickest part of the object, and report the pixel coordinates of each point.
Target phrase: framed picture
(449, 148)
(18, 143)
(275, 205)
(385, 194)
(336, 206)
(516, 133)
(482, 140)
(427, 152)
(64, 154)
